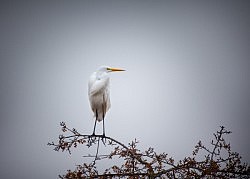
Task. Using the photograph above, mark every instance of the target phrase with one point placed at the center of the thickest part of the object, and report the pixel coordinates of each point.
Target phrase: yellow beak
(115, 69)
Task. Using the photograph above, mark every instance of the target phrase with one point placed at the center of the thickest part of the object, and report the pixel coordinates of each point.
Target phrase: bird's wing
(106, 98)
(97, 85)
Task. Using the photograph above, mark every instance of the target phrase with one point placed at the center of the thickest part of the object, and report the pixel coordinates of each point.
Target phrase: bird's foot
(92, 138)
(103, 139)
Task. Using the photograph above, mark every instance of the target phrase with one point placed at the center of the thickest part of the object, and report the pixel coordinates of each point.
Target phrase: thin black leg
(95, 122)
(103, 128)
(103, 115)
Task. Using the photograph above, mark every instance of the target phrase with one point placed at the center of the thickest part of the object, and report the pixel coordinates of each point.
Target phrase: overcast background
(187, 73)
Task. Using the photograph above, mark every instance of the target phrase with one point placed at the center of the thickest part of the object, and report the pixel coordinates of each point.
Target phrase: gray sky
(187, 73)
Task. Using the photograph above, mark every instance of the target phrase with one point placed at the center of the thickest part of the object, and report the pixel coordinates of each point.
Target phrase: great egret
(98, 91)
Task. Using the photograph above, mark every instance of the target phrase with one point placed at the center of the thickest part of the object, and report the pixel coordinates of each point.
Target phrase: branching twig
(149, 164)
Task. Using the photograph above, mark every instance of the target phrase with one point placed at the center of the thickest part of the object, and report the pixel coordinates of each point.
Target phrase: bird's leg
(103, 135)
(94, 127)
(103, 128)
(103, 115)
(95, 122)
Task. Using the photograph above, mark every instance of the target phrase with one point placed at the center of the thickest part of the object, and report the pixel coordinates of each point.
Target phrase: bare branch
(149, 164)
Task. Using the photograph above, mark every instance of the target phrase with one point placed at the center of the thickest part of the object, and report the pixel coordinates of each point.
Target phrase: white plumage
(98, 91)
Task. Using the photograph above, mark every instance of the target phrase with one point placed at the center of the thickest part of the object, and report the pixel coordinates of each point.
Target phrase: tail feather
(99, 115)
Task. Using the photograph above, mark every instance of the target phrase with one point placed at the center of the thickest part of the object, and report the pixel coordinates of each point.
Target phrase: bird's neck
(101, 75)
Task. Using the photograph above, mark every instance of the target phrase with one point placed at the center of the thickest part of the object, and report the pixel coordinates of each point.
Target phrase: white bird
(98, 91)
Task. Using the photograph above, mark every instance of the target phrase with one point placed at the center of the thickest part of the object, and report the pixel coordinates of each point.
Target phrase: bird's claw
(104, 139)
